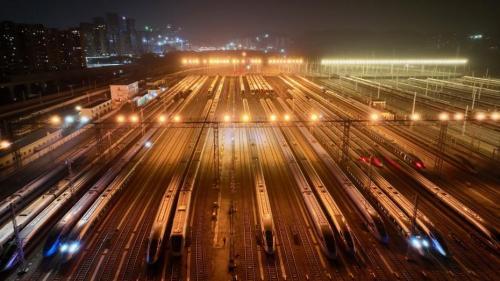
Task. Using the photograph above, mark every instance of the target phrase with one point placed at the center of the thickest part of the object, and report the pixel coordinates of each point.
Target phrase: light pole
(413, 106)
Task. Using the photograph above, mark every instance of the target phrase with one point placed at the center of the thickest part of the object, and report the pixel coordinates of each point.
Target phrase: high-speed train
(264, 212)
(370, 157)
(180, 223)
(73, 241)
(322, 227)
(160, 225)
(333, 211)
(266, 223)
(179, 190)
(58, 233)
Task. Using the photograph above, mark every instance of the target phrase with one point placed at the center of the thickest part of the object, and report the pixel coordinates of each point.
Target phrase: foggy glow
(458, 116)
(55, 120)
(480, 116)
(374, 117)
(134, 119)
(69, 119)
(285, 61)
(495, 116)
(5, 144)
(393, 61)
(220, 61)
(245, 118)
(84, 119)
(443, 116)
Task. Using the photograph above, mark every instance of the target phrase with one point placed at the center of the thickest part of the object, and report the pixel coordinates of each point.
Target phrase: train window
(269, 238)
(176, 243)
(153, 247)
(380, 227)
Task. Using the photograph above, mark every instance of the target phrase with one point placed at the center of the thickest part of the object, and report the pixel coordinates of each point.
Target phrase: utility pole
(142, 121)
(441, 145)
(465, 119)
(216, 152)
(99, 139)
(413, 226)
(414, 215)
(473, 97)
(369, 172)
(19, 245)
(345, 142)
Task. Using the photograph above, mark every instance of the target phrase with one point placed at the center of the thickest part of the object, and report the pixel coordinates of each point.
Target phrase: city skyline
(292, 18)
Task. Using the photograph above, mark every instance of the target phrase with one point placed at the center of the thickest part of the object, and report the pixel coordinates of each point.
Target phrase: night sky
(217, 21)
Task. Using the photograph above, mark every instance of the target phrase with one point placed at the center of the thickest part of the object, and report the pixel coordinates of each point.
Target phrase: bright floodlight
(148, 144)
(415, 242)
(64, 247)
(425, 243)
(393, 61)
(120, 119)
(495, 116)
(458, 116)
(78, 107)
(5, 144)
(443, 116)
(374, 117)
(84, 119)
(55, 120)
(286, 117)
(273, 117)
(162, 118)
(69, 119)
(227, 118)
(480, 116)
(134, 118)
(314, 117)
(73, 247)
(177, 118)
(415, 117)
(245, 118)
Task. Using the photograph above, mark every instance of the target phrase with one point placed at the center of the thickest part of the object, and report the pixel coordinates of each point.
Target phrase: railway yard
(270, 176)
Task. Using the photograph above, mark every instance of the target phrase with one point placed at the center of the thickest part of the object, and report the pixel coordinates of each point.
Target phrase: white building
(123, 93)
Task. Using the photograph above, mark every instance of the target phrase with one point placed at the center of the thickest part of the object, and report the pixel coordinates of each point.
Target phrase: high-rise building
(10, 56)
(135, 40)
(101, 39)
(31, 48)
(113, 33)
(89, 38)
(69, 48)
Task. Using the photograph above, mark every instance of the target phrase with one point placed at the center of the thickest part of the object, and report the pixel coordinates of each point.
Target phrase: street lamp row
(134, 118)
(313, 117)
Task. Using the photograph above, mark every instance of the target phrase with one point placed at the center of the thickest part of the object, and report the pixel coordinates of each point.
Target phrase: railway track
(117, 230)
(270, 160)
(248, 261)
